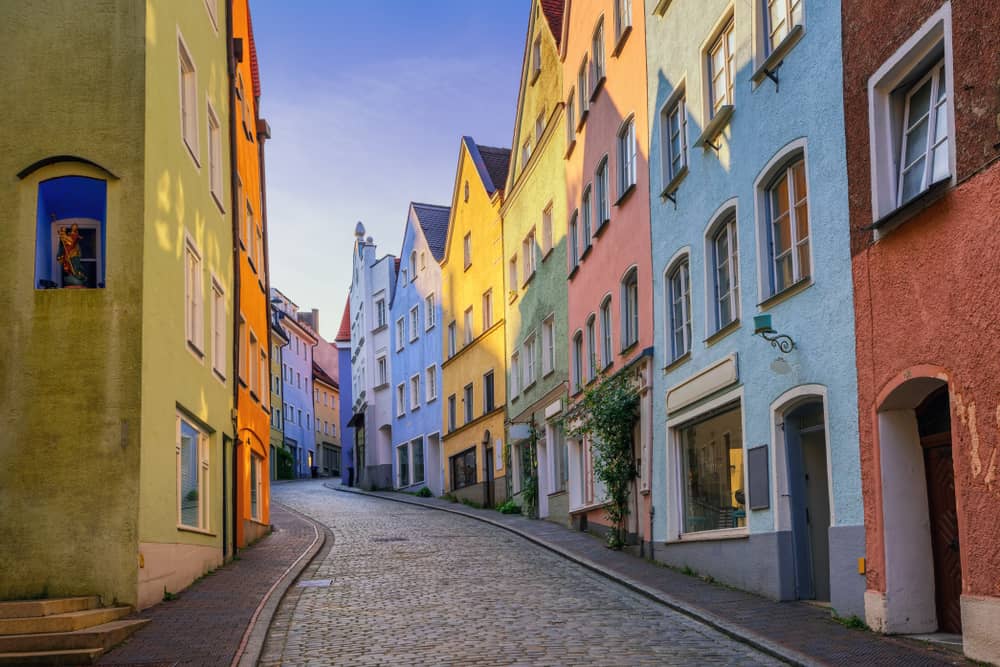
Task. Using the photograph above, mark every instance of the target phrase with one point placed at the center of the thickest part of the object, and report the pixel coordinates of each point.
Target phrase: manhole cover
(315, 583)
(390, 539)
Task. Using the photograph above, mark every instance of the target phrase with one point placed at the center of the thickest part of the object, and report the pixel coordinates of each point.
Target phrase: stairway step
(79, 656)
(65, 622)
(102, 636)
(48, 607)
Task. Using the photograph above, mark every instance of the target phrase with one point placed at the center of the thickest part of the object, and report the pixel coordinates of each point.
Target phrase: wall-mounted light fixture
(762, 328)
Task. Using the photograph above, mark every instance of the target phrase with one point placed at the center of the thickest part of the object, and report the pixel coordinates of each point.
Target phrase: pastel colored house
(473, 381)
(279, 341)
(253, 416)
(756, 476)
(610, 301)
(326, 408)
(297, 397)
(342, 343)
(118, 372)
(373, 280)
(925, 252)
(415, 320)
(535, 246)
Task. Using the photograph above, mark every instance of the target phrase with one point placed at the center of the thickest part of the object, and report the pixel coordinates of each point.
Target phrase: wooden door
(940, 472)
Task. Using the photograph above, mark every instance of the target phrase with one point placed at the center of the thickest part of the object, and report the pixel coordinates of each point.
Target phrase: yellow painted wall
(461, 288)
(178, 203)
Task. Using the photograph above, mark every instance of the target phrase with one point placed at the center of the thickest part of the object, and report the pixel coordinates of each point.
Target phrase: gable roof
(553, 10)
(497, 161)
(433, 221)
(323, 376)
(344, 333)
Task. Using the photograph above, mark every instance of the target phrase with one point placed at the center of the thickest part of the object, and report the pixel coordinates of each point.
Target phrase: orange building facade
(252, 345)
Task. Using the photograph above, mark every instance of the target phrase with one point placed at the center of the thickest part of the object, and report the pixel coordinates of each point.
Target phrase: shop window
(463, 469)
(71, 233)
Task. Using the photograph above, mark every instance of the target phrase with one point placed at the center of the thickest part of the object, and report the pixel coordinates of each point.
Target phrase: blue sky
(367, 103)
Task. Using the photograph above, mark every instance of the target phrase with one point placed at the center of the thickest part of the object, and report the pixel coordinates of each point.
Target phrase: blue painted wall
(346, 400)
(300, 397)
(806, 107)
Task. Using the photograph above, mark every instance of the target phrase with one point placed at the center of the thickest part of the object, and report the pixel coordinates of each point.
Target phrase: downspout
(234, 217)
(261, 137)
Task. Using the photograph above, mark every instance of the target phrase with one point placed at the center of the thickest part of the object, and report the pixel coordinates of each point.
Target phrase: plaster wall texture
(75, 85)
(253, 411)
(925, 300)
(326, 408)
(346, 399)
(624, 241)
(462, 288)
(277, 430)
(530, 191)
(417, 352)
(297, 390)
(819, 317)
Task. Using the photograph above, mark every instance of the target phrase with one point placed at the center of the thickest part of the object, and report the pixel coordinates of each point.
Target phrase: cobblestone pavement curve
(417, 587)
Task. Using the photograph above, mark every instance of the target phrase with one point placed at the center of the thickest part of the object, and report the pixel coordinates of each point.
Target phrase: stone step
(26, 608)
(65, 622)
(78, 656)
(102, 636)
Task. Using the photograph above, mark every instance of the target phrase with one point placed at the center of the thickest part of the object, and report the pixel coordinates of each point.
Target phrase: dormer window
(71, 233)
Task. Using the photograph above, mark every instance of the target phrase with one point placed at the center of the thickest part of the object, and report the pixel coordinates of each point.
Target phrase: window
(487, 309)
(415, 392)
(430, 384)
(466, 191)
(251, 226)
(623, 17)
(414, 323)
(400, 333)
(219, 346)
(468, 325)
(189, 100)
(254, 379)
(413, 265)
(423, 260)
(215, 157)
(259, 245)
(592, 362)
(781, 16)
(536, 56)
(512, 275)
(403, 465)
(548, 345)
(530, 354)
(262, 376)
(417, 453)
(720, 69)
(626, 157)
(606, 332)
(467, 401)
(210, 5)
(463, 469)
(583, 89)
(429, 312)
(547, 230)
(574, 241)
(711, 457)
(451, 413)
(192, 475)
(529, 254)
(597, 62)
(923, 157)
(679, 309)
(525, 153)
(788, 227)
(601, 205)
(515, 373)
(630, 309)
(673, 128)
(192, 297)
(726, 273)
(451, 339)
(70, 232)
(489, 402)
(571, 118)
(587, 229)
(256, 488)
(539, 126)
(577, 361)
(467, 249)
(380, 314)
(383, 370)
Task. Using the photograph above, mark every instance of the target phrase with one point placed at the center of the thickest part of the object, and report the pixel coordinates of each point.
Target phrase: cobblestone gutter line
(712, 620)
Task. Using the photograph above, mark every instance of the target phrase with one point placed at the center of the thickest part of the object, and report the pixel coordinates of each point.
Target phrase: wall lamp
(762, 328)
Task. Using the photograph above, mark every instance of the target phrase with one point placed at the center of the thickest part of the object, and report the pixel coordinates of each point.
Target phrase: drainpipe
(234, 218)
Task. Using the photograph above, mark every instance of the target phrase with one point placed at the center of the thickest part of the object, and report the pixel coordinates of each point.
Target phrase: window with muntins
(674, 130)
(430, 383)
(587, 229)
(626, 157)
(489, 399)
(711, 456)
(215, 157)
(548, 345)
(451, 340)
(781, 17)
(679, 309)
(429, 312)
(515, 373)
(463, 469)
(788, 227)
(577, 361)
(487, 309)
(583, 90)
(592, 362)
(193, 309)
(189, 100)
(720, 69)
(467, 249)
(623, 17)
(192, 475)
(380, 313)
(547, 229)
(400, 333)
(530, 354)
(606, 332)
(413, 266)
(469, 334)
(597, 58)
(630, 309)
(70, 233)
(602, 207)
(726, 273)
(924, 158)
(574, 241)
(414, 323)
(571, 117)
(467, 401)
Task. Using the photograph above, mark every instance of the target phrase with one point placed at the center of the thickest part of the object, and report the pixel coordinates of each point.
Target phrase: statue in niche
(69, 257)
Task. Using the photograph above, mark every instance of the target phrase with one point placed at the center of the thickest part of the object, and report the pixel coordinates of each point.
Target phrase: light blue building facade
(297, 360)
(415, 319)
(756, 474)
(343, 344)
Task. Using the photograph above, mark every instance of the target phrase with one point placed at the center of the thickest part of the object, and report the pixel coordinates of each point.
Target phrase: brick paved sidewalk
(797, 632)
(207, 623)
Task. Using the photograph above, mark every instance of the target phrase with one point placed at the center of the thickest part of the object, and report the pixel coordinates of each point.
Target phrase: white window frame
(607, 330)
(590, 340)
(548, 344)
(536, 57)
(676, 106)
(188, 100)
(576, 358)
(546, 230)
(414, 322)
(583, 87)
(529, 256)
(452, 339)
(219, 347)
(573, 232)
(627, 156)
(487, 309)
(382, 369)
(932, 142)
(530, 348)
(468, 321)
(400, 333)
(400, 399)
(429, 312)
(726, 27)
(253, 381)
(204, 478)
(213, 13)
(539, 127)
(381, 313)
(194, 307)
(629, 310)
(571, 119)
(256, 487)
(602, 204)
(414, 391)
(726, 217)
(679, 264)
(430, 384)
(215, 182)
(772, 38)
(515, 374)
(623, 18)
(467, 249)
(598, 64)
(769, 270)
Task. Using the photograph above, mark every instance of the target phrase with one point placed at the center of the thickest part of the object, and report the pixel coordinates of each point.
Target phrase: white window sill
(712, 535)
(715, 127)
(192, 529)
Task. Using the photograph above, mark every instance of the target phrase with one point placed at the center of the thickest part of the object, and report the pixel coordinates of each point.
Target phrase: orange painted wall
(253, 416)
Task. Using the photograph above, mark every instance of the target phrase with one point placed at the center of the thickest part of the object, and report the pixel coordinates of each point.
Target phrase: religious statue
(69, 257)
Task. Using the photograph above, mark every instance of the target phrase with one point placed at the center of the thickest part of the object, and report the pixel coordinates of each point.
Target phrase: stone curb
(252, 644)
(714, 621)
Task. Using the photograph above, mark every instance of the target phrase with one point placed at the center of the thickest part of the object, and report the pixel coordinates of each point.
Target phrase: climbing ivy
(605, 416)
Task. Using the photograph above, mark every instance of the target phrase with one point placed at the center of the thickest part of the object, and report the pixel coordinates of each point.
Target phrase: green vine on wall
(529, 466)
(605, 416)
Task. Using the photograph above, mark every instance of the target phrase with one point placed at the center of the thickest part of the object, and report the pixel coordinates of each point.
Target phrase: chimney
(315, 319)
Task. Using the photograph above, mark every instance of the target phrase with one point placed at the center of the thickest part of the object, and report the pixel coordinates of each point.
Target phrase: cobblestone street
(419, 587)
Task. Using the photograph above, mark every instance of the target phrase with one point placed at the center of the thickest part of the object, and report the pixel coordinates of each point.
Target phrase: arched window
(413, 266)
(602, 207)
(574, 241)
(723, 259)
(592, 363)
(630, 308)
(786, 205)
(626, 156)
(71, 233)
(678, 294)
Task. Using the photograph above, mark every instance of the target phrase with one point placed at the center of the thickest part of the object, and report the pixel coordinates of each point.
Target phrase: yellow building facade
(473, 373)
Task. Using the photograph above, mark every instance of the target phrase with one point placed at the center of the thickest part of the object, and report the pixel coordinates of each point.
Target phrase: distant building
(279, 342)
(326, 402)
(297, 362)
(342, 343)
